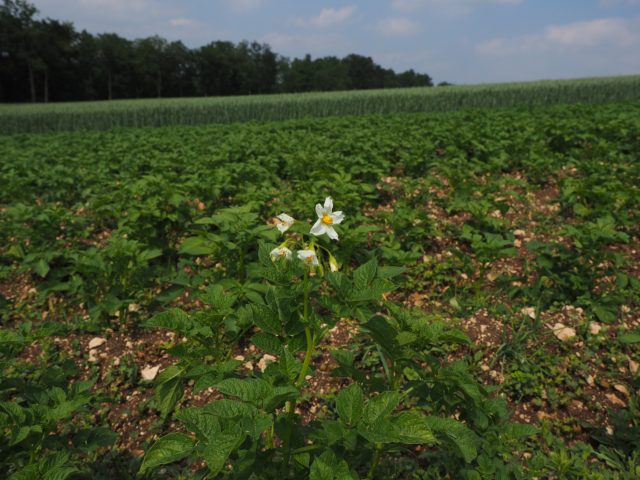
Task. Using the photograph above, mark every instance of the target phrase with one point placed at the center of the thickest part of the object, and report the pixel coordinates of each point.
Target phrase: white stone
(149, 373)
(563, 333)
(594, 328)
(96, 342)
(265, 360)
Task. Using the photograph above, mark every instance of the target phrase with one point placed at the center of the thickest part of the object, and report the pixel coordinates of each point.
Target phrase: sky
(459, 41)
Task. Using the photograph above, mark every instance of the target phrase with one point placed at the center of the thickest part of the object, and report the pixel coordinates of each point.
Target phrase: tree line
(44, 60)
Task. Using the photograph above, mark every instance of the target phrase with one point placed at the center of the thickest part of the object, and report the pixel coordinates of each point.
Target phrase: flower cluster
(327, 219)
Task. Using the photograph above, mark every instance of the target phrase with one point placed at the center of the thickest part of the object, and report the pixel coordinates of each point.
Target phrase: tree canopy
(49, 60)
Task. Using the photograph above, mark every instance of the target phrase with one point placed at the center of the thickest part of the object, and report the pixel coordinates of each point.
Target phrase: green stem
(307, 357)
(375, 462)
(291, 406)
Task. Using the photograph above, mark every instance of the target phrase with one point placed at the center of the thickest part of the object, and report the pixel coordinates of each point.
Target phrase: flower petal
(318, 228)
(288, 219)
(337, 217)
(319, 210)
(328, 204)
(331, 233)
(308, 256)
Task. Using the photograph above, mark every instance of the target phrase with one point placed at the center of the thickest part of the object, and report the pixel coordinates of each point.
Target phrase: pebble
(622, 389)
(563, 333)
(96, 342)
(150, 373)
(265, 360)
(614, 399)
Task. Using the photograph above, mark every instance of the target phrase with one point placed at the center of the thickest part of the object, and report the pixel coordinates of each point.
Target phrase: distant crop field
(105, 115)
(404, 296)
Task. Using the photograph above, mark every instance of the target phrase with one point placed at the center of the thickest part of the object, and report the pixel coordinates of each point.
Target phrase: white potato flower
(281, 252)
(284, 222)
(327, 218)
(309, 257)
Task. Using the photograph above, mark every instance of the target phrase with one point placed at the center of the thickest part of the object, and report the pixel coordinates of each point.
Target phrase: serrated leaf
(198, 420)
(250, 390)
(168, 449)
(227, 408)
(278, 396)
(412, 428)
(455, 433)
(266, 319)
(380, 406)
(267, 343)
(520, 430)
(173, 319)
(350, 404)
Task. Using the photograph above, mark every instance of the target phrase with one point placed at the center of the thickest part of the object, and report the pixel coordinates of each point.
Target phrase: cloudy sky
(460, 41)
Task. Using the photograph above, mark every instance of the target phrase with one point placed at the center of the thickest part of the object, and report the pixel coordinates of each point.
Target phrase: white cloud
(245, 6)
(397, 27)
(316, 44)
(327, 18)
(181, 22)
(447, 6)
(616, 32)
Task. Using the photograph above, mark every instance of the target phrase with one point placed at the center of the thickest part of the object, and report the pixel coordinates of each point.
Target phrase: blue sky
(460, 41)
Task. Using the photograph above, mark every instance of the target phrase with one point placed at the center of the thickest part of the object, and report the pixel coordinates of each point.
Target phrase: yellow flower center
(309, 259)
(282, 253)
(326, 219)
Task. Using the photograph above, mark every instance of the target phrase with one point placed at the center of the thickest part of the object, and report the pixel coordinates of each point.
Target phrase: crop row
(197, 111)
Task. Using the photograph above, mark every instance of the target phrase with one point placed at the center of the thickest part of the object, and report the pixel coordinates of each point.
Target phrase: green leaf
(267, 343)
(349, 404)
(198, 420)
(41, 267)
(217, 451)
(412, 428)
(364, 274)
(173, 319)
(320, 470)
(168, 449)
(629, 338)
(384, 334)
(216, 297)
(456, 434)
(266, 319)
(380, 406)
(227, 408)
(520, 430)
(250, 390)
(169, 389)
(278, 396)
(197, 246)
(604, 314)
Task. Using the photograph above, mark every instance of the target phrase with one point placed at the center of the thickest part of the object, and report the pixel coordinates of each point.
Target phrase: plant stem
(291, 406)
(375, 462)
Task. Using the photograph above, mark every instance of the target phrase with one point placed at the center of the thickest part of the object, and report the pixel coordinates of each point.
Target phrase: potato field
(365, 294)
